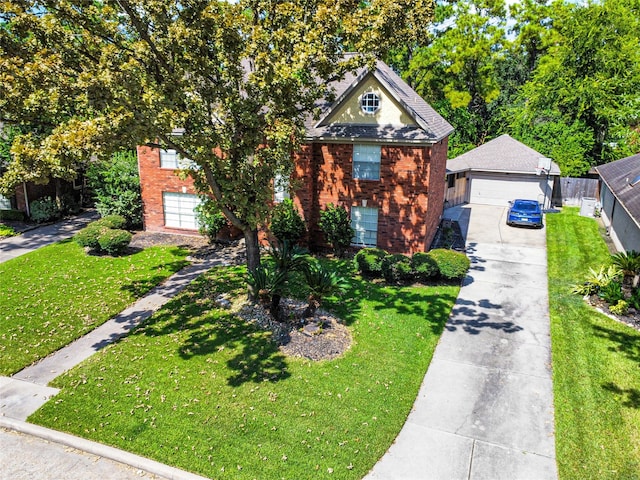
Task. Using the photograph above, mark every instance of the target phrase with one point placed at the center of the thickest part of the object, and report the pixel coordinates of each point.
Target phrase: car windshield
(526, 206)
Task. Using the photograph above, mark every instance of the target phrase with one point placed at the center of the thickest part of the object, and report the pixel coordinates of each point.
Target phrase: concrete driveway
(485, 408)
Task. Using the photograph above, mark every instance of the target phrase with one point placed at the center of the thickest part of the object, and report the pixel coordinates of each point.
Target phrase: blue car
(525, 212)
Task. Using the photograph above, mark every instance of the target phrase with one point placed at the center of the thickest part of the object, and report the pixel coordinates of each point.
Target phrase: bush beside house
(105, 235)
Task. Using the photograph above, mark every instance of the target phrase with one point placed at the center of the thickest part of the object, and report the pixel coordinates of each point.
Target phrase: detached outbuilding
(501, 170)
(620, 199)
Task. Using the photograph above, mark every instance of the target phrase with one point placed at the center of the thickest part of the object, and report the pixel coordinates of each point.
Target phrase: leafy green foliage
(424, 266)
(397, 268)
(287, 225)
(619, 308)
(6, 231)
(611, 292)
(598, 279)
(115, 183)
(88, 236)
(452, 265)
(267, 282)
(44, 209)
(210, 219)
(111, 221)
(114, 241)
(369, 261)
(322, 282)
(238, 79)
(15, 215)
(336, 225)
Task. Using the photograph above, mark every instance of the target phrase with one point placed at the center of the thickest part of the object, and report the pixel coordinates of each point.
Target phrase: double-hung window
(366, 162)
(364, 222)
(173, 160)
(280, 188)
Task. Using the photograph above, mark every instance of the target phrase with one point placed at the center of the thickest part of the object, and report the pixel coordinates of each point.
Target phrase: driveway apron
(485, 408)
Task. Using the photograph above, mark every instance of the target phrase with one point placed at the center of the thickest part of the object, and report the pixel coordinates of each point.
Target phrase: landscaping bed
(199, 387)
(596, 360)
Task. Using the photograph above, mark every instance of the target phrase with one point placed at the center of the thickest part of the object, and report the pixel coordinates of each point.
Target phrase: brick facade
(409, 195)
(155, 180)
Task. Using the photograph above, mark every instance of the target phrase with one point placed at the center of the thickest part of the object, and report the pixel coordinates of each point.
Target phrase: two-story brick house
(378, 150)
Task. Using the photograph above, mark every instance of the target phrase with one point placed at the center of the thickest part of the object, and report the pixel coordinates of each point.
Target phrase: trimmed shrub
(336, 225)
(397, 268)
(115, 183)
(369, 261)
(287, 225)
(44, 209)
(88, 236)
(111, 221)
(210, 219)
(114, 241)
(12, 215)
(452, 265)
(424, 267)
(620, 308)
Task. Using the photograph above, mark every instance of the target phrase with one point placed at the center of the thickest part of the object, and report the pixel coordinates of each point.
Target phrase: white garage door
(179, 210)
(499, 189)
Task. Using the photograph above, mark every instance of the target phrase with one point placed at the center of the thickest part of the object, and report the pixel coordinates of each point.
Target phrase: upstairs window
(173, 160)
(366, 162)
(364, 222)
(370, 103)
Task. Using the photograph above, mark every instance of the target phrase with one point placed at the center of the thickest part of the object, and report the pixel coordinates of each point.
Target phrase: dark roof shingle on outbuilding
(619, 177)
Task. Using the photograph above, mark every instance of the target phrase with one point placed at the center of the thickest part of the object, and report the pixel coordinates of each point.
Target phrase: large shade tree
(225, 84)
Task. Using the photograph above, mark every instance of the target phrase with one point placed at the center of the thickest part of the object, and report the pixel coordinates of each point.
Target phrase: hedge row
(422, 267)
(105, 235)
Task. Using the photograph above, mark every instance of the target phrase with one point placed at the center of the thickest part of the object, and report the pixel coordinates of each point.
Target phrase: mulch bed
(321, 337)
(632, 318)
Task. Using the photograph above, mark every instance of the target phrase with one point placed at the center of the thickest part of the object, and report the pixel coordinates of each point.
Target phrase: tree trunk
(253, 256)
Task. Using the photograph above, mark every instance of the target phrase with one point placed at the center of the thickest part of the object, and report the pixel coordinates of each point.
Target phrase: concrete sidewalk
(485, 408)
(29, 451)
(12, 247)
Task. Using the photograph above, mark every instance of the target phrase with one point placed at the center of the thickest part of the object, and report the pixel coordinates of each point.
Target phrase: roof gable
(419, 122)
(619, 176)
(502, 154)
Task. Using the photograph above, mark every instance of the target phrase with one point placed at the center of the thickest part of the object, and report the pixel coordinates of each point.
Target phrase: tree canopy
(560, 76)
(225, 84)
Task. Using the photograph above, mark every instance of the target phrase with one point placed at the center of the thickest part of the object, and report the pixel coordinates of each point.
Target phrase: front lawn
(56, 294)
(596, 363)
(197, 388)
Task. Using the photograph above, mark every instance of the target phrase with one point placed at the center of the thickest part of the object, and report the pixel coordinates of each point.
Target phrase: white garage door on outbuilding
(499, 171)
(499, 189)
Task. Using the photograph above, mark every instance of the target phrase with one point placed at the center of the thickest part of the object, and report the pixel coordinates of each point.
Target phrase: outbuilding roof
(500, 155)
(622, 178)
(429, 126)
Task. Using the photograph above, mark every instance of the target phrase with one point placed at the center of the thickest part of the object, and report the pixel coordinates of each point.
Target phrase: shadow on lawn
(205, 330)
(625, 343)
(630, 396)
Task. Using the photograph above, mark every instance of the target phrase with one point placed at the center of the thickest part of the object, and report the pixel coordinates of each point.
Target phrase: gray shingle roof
(430, 126)
(501, 155)
(618, 176)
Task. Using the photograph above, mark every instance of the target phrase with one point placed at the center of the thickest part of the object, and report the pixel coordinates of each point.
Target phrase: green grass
(56, 294)
(197, 388)
(596, 363)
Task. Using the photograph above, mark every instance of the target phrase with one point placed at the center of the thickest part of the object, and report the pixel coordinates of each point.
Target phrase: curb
(100, 450)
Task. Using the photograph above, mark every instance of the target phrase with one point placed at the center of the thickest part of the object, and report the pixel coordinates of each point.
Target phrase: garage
(499, 171)
(499, 189)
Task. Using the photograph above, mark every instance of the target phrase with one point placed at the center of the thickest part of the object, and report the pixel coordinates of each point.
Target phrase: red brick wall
(409, 195)
(153, 182)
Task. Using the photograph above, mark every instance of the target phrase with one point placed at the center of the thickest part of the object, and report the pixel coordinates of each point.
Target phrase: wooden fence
(572, 190)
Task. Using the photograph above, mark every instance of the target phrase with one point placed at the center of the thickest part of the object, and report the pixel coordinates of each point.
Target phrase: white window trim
(366, 154)
(362, 228)
(180, 163)
(367, 101)
(280, 189)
